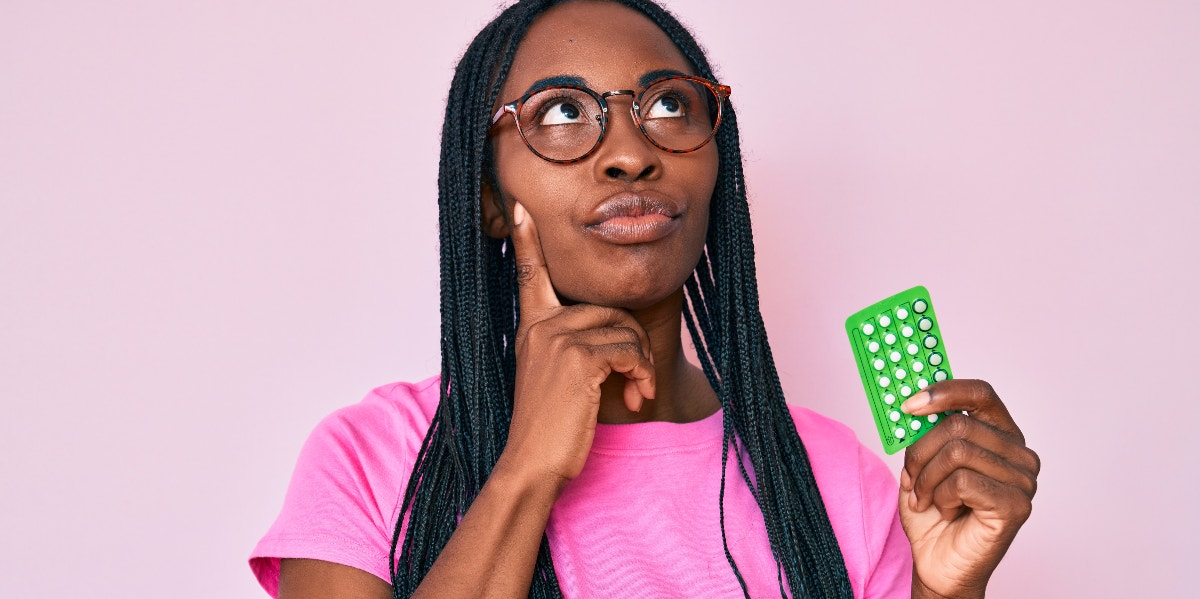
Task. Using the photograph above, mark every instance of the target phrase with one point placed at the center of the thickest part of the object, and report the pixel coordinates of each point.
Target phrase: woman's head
(609, 45)
(594, 254)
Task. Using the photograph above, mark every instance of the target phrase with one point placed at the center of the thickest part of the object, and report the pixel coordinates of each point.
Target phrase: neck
(682, 392)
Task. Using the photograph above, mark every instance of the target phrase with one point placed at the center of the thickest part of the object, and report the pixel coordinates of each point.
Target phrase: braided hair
(480, 312)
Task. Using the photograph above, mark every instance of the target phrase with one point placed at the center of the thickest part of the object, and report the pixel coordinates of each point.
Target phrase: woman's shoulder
(835, 452)
(346, 490)
(390, 410)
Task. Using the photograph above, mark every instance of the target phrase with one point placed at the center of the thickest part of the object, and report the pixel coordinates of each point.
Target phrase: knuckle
(957, 426)
(1037, 461)
(526, 273)
(987, 392)
(958, 452)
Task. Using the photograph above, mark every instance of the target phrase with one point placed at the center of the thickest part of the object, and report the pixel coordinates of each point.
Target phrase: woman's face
(601, 246)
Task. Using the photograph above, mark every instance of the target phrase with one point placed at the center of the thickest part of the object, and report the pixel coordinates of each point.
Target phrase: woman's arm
(966, 488)
(564, 354)
(316, 579)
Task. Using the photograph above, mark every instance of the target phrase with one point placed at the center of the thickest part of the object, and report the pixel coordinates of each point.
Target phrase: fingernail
(914, 402)
(518, 213)
(905, 479)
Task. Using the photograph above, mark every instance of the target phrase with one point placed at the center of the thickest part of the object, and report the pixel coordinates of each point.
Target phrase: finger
(586, 317)
(533, 278)
(960, 427)
(626, 359)
(964, 455)
(633, 397)
(985, 496)
(975, 397)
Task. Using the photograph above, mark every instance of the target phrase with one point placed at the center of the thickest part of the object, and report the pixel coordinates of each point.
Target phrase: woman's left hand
(966, 488)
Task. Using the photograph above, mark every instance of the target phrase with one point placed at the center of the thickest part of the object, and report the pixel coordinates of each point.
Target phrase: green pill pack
(898, 346)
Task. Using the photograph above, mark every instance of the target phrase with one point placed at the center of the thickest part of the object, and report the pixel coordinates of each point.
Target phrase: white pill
(931, 341)
(922, 383)
(884, 320)
(918, 366)
(895, 416)
(912, 349)
(894, 356)
(884, 381)
(890, 338)
(919, 306)
(905, 391)
(878, 363)
(899, 433)
(889, 399)
(900, 373)
(916, 425)
(935, 359)
(907, 331)
(868, 328)
(901, 313)
(940, 375)
(932, 418)
(925, 324)
(873, 346)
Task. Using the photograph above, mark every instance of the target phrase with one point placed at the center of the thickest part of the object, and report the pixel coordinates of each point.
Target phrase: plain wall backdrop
(218, 224)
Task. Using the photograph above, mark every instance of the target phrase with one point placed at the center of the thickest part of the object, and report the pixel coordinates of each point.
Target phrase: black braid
(480, 312)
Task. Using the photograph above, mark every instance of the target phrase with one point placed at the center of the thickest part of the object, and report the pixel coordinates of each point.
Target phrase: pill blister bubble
(889, 399)
(932, 418)
(890, 338)
(918, 366)
(907, 331)
(922, 383)
(912, 349)
(894, 356)
(878, 363)
(940, 375)
(900, 373)
(919, 306)
(931, 341)
(884, 381)
(916, 425)
(884, 320)
(873, 346)
(901, 313)
(905, 391)
(899, 433)
(868, 328)
(894, 415)
(925, 323)
(935, 359)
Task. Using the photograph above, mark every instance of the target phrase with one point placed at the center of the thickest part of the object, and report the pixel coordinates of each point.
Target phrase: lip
(628, 218)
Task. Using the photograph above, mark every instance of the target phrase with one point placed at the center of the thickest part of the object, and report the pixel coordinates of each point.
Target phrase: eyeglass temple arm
(500, 113)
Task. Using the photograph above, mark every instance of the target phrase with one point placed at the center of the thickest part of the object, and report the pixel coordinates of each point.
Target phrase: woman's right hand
(564, 354)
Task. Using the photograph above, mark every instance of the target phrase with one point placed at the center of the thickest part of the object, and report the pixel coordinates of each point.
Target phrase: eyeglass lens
(564, 123)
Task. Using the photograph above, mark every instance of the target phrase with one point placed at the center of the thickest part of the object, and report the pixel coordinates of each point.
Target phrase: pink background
(217, 224)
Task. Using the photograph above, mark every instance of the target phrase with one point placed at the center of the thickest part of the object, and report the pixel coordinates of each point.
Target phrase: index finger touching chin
(533, 278)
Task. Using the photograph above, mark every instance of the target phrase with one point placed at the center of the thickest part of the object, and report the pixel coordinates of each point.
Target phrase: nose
(625, 154)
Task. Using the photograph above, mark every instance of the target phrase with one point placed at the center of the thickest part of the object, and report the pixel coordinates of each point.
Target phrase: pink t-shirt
(642, 519)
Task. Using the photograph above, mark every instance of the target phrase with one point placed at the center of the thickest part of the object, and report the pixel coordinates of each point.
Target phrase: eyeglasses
(566, 123)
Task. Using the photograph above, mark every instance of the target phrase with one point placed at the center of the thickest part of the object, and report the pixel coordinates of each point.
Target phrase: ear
(493, 213)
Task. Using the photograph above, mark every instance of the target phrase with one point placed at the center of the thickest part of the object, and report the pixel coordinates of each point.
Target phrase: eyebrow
(580, 81)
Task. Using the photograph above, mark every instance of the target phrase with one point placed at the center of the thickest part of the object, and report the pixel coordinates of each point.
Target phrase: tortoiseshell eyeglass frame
(721, 92)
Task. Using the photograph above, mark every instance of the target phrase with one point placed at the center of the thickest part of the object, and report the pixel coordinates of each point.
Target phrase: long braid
(480, 313)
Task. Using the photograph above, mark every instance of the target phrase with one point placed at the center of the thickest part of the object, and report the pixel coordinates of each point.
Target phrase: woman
(569, 448)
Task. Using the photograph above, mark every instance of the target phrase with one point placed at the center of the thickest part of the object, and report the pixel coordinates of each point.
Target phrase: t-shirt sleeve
(860, 496)
(344, 497)
(891, 576)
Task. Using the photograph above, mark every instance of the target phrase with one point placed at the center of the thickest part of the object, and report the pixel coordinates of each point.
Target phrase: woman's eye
(666, 107)
(562, 113)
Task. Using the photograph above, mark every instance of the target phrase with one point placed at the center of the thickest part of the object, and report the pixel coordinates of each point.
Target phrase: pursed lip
(634, 217)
